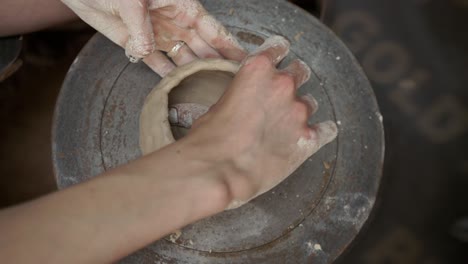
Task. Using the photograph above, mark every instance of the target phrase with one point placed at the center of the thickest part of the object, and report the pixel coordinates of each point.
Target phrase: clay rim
(150, 142)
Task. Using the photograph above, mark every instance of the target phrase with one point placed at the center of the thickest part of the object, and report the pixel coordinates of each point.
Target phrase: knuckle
(141, 45)
(285, 80)
(189, 35)
(300, 110)
(261, 61)
(300, 107)
(145, 49)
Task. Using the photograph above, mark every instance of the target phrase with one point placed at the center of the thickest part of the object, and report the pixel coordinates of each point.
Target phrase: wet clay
(203, 88)
(202, 82)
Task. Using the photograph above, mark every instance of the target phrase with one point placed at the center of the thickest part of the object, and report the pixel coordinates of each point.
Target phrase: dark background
(415, 53)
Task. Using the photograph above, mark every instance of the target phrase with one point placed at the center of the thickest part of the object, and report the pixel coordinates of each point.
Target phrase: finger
(300, 71)
(159, 63)
(189, 36)
(310, 102)
(275, 48)
(199, 46)
(168, 34)
(319, 135)
(316, 137)
(141, 41)
(217, 36)
(206, 26)
(184, 56)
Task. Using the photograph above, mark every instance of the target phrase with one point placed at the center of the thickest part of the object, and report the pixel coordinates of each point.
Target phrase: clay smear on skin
(310, 100)
(137, 45)
(190, 7)
(308, 72)
(326, 132)
(217, 31)
(275, 42)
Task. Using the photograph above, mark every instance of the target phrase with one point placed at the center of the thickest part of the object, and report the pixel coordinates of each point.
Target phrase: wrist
(233, 169)
(201, 180)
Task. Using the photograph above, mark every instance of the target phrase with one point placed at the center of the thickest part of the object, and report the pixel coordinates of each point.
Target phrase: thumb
(135, 16)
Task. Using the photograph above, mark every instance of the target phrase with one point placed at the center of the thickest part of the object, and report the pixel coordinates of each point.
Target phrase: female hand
(147, 27)
(259, 126)
(247, 143)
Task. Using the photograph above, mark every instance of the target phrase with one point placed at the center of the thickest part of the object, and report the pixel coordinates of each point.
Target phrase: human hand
(147, 27)
(259, 126)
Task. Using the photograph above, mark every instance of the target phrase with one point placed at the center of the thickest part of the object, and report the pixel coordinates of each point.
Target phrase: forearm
(25, 16)
(115, 214)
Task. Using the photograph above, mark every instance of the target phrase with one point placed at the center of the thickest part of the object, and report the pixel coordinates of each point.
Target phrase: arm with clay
(149, 28)
(146, 29)
(247, 143)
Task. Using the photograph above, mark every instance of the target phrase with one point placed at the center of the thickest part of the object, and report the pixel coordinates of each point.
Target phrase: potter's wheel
(311, 217)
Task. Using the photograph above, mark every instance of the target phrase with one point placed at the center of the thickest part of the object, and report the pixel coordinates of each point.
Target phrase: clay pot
(198, 85)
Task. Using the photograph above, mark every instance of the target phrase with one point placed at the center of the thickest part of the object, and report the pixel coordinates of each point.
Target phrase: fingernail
(140, 46)
(274, 41)
(329, 129)
(312, 103)
(308, 71)
(278, 46)
(173, 116)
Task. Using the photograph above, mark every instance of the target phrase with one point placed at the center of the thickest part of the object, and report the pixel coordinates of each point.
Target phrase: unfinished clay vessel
(195, 86)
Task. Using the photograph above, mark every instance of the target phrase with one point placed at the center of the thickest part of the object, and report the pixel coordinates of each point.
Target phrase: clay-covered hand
(146, 27)
(259, 126)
